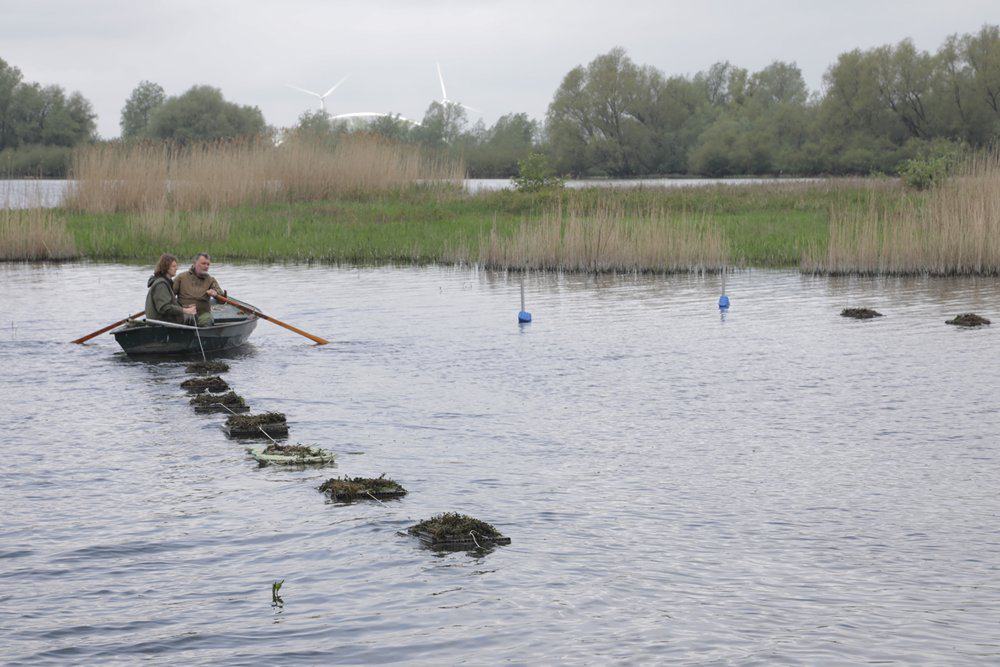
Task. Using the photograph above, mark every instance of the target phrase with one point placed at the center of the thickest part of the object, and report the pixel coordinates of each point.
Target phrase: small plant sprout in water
(276, 600)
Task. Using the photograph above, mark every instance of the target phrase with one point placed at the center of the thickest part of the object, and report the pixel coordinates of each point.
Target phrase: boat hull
(154, 339)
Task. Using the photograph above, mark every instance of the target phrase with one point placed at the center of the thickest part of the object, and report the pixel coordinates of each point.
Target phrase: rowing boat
(232, 328)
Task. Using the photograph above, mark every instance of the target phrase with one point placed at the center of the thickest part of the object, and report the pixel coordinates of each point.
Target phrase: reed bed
(133, 178)
(952, 230)
(34, 234)
(606, 239)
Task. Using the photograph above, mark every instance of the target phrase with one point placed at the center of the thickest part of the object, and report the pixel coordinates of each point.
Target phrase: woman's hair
(162, 266)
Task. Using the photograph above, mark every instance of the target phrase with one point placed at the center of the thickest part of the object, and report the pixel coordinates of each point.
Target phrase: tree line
(878, 108)
(39, 125)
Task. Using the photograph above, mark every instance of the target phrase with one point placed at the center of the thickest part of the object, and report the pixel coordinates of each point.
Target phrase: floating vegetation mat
(457, 530)
(860, 313)
(229, 402)
(290, 455)
(199, 385)
(205, 367)
(968, 320)
(362, 488)
(248, 426)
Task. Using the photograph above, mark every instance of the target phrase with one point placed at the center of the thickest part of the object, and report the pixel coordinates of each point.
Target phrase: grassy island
(374, 203)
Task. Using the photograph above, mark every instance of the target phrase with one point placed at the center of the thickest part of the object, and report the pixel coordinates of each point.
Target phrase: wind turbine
(322, 98)
(444, 94)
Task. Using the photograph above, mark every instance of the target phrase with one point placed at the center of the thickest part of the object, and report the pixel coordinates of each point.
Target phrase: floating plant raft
(248, 426)
(968, 320)
(457, 530)
(860, 313)
(229, 402)
(205, 367)
(362, 488)
(290, 455)
(199, 385)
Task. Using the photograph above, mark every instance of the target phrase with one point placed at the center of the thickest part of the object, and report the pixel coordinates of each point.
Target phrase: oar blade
(273, 320)
(84, 339)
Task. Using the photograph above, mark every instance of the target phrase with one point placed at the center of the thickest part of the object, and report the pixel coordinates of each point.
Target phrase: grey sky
(496, 56)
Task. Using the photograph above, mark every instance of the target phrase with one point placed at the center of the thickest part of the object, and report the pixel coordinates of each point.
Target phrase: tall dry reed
(606, 238)
(133, 178)
(953, 230)
(34, 234)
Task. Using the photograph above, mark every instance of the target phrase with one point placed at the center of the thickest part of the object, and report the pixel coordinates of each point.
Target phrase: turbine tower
(444, 94)
(322, 98)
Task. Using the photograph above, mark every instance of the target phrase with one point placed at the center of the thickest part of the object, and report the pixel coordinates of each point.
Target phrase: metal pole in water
(198, 334)
(523, 316)
(723, 300)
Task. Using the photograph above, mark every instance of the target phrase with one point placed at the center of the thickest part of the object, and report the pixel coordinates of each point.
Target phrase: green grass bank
(769, 225)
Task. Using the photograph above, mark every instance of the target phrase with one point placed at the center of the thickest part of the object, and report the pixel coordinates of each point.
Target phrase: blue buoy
(523, 316)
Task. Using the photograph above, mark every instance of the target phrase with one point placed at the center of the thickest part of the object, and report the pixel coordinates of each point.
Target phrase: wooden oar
(107, 328)
(247, 308)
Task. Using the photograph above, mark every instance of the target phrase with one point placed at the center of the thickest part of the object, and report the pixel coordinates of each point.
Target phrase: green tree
(10, 79)
(146, 98)
(496, 152)
(982, 53)
(202, 114)
(603, 118)
(442, 125)
(391, 127)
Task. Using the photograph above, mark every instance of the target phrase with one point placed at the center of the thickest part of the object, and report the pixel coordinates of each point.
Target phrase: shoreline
(779, 225)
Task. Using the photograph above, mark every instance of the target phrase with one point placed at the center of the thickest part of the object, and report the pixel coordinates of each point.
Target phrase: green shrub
(534, 173)
(925, 173)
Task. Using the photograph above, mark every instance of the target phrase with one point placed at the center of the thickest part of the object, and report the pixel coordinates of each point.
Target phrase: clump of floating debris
(860, 313)
(968, 320)
(269, 423)
(205, 367)
(228, 402)
(355, 488)
(290, 454)
(457, 530)
(198, 385)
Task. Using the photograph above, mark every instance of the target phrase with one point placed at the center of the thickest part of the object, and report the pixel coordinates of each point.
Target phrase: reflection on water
(778, 485)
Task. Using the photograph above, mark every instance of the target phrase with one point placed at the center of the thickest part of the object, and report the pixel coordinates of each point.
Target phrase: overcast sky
(498, 56)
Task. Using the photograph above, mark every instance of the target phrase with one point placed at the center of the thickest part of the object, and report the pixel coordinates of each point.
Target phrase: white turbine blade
(303, 90)
(472, 109)
(359, 114)
(335, 86)
(444, 93)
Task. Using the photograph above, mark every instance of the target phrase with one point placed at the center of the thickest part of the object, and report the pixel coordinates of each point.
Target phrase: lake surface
(48, 193)
(781, 485)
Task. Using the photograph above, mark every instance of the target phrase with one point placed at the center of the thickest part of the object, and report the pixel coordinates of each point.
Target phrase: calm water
(782, 486)
(45, 193)
(48, 193)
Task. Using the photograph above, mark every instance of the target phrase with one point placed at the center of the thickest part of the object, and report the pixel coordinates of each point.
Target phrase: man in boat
(161, 302)
(194, 287)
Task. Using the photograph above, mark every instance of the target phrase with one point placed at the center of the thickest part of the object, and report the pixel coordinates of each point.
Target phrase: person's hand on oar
(247, 308)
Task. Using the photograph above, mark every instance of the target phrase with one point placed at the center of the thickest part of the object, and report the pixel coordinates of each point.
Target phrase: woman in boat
(161, 302)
